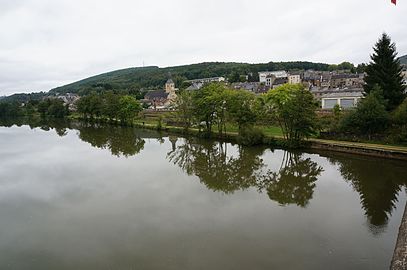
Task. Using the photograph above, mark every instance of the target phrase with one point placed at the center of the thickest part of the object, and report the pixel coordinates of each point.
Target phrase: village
(329, 88)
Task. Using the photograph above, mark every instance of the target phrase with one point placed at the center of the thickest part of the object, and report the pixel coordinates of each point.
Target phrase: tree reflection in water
(60, 125)
(377, 183)
(209, 161)
(294, 183)
(228, 170)
(121, 141)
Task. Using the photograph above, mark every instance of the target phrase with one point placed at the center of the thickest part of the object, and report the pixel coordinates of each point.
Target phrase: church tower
(170, 86)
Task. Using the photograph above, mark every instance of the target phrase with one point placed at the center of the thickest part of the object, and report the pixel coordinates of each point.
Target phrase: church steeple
(169, 86)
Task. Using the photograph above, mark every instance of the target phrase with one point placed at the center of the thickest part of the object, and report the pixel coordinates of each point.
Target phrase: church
(162, 99)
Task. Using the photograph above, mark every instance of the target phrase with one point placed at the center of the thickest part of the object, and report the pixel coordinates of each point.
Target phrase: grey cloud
(47, 43)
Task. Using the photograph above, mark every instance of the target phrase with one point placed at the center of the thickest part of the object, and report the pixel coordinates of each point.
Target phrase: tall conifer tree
(385, 71)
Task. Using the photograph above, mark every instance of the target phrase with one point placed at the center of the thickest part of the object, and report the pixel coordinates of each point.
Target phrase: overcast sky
(48, 43)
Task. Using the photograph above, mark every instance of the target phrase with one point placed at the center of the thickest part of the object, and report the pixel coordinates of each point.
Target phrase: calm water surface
(94, 197)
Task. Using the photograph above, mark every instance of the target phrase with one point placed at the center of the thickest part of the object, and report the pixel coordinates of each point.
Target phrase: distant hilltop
(154, 77)
(403, 60)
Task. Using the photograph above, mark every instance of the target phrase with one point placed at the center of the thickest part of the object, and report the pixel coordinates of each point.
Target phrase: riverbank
(277, 141)
(368, 149)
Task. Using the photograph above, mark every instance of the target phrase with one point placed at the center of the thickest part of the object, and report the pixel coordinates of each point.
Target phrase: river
(87, 196)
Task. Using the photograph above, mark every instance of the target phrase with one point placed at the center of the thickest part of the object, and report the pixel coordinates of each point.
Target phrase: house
(270, 74)
(69, 100)
(313, 78)
(279, 81)
(206, 80)
(254, 87)
(195, 86)
(270, 80)
(161, 99)
(347, 80)
(345, 99)
(294, 78)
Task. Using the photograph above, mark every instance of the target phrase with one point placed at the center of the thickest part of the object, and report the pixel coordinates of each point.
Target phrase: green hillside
(155, 77)
(403, 60)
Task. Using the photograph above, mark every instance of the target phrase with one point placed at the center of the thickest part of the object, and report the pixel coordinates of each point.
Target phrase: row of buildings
(330, 88)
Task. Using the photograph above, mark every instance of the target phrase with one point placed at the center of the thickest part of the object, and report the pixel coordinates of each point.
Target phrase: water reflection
(225, 168)
(377, 183)
(215, 168)
(293, 183)
(120, 141)
(59, 125)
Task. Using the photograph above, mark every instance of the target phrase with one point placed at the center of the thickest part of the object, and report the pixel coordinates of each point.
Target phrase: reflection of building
(160, 99)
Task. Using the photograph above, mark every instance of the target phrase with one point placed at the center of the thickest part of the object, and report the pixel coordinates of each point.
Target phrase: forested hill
(403, 60)
(155, 77)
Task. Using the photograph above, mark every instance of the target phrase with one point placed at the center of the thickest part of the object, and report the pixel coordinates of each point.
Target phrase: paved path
(399, 261)
(372, 146)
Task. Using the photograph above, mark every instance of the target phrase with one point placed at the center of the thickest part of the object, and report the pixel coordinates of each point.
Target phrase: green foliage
(185, 109)
(293, 107)
(214, 105)
(24, 98)
(400, 114)
(209, 105)
(399, 119)
(52, 108)
(342, 66)
(331, 122)
(109, 105)
(385, 71)
(10, 109)
(370, 116)
(129, 107)
(250, 136)
(240, 106)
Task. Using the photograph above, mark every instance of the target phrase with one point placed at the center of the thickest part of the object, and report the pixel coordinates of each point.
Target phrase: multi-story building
(294, 78)
(347, 80)
(270, 74)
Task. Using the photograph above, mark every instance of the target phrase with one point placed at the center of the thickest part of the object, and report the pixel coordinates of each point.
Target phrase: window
(329, 103)
(347, 103)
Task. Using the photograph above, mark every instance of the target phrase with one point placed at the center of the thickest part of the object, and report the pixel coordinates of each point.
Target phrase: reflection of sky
(66, 205)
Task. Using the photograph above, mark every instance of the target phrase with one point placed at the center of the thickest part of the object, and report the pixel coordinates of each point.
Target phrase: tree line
(49, 107)
(109, 105)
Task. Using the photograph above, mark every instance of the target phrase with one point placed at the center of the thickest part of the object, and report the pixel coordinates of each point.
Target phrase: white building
(345, 100)
(276, 74)
(207, 80)
(294, 79)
